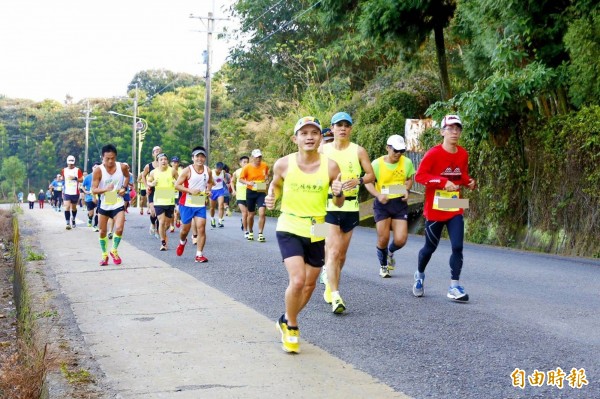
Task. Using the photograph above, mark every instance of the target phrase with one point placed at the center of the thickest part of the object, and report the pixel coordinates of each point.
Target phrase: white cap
(256, 153)
(451, 120)
(70, 160)
(397, 142)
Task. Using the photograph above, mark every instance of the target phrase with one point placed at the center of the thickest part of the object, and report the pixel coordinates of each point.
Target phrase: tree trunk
(440, 48)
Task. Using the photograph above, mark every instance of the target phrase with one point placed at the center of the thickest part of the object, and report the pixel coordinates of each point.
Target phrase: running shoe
(104, 260)
(96, 229)
(246, 235)
(323, 276)
(172, 229)
(458, 294)
(141, 211)
(178, 224)
(180, 248)
(221, 224)
(418, 289)
(250, 236)
(68, 226)
(89, 224)
(194, 240)
(163, 247)
(261, 237)
(213, 223)
(201, 259)
(327, 293)
(152, 230)
(73, 223)
(115, 256)
(384, 272)
(290, 339)
(281, 325)
(338, 306)
(391, 263)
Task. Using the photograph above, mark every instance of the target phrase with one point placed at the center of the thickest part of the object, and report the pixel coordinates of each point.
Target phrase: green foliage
(583, 43)
(14, 173)
(157, 81)
(80, 376)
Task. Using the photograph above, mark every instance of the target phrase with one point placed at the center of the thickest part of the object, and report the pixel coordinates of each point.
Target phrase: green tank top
(165, 187)
(349, 164)
(304, 198)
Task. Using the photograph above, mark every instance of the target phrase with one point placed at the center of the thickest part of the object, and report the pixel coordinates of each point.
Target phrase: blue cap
(341, 116)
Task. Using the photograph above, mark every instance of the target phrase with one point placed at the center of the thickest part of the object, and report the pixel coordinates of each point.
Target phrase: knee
(400, 242)
(297, 284)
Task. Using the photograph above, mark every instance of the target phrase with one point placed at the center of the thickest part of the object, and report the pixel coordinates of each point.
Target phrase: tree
(156, 81)
(13, 172)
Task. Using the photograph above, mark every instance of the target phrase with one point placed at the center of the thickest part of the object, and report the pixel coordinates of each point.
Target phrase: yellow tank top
(165, 185)
(388, 177)
(240, 189)
(304, 198)
(349, 164)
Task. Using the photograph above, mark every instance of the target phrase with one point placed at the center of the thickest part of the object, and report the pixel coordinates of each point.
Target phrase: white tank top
(196, 181)
(218, 179)
(110, 200)
(71, 185)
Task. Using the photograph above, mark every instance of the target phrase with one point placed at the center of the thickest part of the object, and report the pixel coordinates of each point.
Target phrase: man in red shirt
(443, 170)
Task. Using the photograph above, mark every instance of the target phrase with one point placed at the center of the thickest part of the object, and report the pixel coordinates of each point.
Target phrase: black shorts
(166, 209)
(394, 209)
(72, 198)
(150, 196)
(293, 245)
(91, 205)
(143, 193)
(255, 199)
(242, 202)
(112, 213)
(346, 220)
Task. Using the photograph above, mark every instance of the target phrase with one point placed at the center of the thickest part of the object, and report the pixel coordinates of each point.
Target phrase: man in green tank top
(352, 160)
(302, 180)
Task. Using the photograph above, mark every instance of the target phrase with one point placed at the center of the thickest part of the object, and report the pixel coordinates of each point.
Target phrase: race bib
(448, 201)
(318, 229)
(110, 197)
(198, 200)
(164, 194)
(262, 186)
(71, 185)
(394, 189)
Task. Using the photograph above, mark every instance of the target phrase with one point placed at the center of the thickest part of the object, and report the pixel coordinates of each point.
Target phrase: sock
(153, 220)
(74, 214)
(163, 242)
(220, 220)
(335, 294)
(393, 247)
(68, 217)
(181, 242)
(454, 283)
(382, 256)
(96, 220)
(421, 275)
(104, 245)
(116, 241)
(198, 253)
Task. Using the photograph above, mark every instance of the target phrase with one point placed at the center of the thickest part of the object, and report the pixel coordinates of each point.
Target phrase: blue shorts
(346, 220)
(215, 194)
(187, 213)
(393, 209)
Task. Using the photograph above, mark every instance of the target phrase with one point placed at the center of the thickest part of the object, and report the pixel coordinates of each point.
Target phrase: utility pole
(210, 25)
(87, 118)
(134, 134)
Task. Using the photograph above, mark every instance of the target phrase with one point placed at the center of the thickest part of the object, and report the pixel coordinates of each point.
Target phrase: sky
(53, 48)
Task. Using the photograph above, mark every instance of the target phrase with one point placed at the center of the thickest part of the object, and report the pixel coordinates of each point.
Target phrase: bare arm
(335, 181)
(276, 186)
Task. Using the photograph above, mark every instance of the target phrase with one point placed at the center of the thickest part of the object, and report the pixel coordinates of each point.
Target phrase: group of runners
(318, 187)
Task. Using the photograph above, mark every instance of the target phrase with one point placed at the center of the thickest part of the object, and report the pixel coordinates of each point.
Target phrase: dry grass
(22, 375)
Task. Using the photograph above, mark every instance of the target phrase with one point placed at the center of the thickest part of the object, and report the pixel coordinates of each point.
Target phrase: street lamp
(140, 125)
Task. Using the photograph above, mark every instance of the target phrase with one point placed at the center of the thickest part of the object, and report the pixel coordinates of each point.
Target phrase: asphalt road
(527, 311)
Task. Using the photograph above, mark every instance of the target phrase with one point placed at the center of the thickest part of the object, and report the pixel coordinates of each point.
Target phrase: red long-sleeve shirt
(437, 167)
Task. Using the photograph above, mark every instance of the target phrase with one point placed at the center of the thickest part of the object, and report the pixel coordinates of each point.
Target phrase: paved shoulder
(157, 332)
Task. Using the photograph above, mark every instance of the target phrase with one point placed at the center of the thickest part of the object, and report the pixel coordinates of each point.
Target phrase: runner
(239, 190)
(110, 182)
(141, 194)
(352, 160)
(217, 195)
(443, 170)
(195, 183)
(73, 177)
(227, 186)
(302, 179)
(162, 180)
(176, 222)
(147, 169)
(127, 197)
(255, 176)
(393, 175)
(57, 189)
(90, 199)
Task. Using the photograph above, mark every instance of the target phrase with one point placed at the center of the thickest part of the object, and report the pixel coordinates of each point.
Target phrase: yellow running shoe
(291, 340)
(338, 306)
(327, 293)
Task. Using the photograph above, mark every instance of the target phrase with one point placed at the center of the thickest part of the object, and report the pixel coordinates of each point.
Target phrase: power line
(260, 16)
(288, 23)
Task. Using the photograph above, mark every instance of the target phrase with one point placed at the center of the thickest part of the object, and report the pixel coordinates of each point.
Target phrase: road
(527, 311)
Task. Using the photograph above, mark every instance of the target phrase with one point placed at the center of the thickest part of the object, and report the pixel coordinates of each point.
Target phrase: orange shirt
(257, 174)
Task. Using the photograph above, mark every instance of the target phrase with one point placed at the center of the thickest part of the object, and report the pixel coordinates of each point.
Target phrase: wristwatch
(360, 180)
